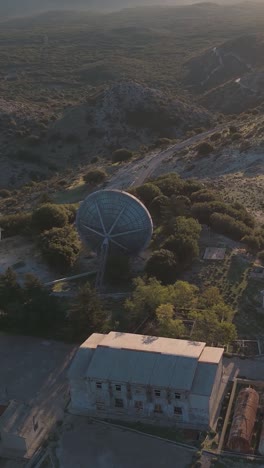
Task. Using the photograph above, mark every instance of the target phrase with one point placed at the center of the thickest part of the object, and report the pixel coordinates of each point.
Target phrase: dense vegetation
(31, 309)
(179, 208)
(182, 311)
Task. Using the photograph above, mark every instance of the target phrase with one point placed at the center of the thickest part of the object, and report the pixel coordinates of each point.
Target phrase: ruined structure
(130, 376)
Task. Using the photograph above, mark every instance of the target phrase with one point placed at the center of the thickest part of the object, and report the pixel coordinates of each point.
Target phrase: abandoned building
(141, 377)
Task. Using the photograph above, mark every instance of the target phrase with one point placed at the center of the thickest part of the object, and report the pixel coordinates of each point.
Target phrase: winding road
(137, 172)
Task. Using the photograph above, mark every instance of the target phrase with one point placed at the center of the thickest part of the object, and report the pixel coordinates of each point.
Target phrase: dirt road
(137, 172)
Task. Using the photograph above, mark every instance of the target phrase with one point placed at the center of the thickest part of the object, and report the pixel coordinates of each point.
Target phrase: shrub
(159, 207)
(169, 184)
(71, 210)
(225, 224)
(95, 176)
(185, 248)
(121, 155)
(203, 211)
(49, 216)
(204, 148)
(180, 205)
(162, 265)
(233, 129)
(15, 224)
(215, 136)
(204, 195)
(191, 186)
(5, 193)
(254, 243)
(147, 192)
(60, 247)
(164, 141)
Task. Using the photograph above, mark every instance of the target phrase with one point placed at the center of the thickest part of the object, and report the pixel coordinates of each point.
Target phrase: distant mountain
(26, 7)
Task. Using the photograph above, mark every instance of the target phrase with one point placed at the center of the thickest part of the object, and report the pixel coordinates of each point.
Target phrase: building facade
(121, 375)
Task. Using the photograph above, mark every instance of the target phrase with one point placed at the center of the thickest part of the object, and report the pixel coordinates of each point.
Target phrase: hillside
(127, 115)
(229, 77)
(75, 86)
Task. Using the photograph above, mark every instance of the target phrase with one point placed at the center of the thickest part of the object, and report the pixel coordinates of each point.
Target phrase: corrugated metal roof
(150, 368)
(83, 356)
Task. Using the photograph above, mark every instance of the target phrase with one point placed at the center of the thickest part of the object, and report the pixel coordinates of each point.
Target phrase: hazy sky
(24, 7)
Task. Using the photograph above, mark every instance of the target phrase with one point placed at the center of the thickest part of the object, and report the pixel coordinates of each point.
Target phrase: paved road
(136, 172)
(84, 444)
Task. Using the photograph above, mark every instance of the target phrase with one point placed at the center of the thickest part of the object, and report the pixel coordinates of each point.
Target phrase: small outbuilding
(214, 253)
(17, 428)
(243, 421)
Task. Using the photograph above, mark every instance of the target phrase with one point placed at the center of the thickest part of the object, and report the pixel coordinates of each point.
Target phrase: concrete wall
(199, 409)
(214, 398)
(138, 402)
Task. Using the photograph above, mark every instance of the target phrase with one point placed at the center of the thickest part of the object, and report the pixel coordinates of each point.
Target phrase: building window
(99, 385)
(178, 410)
(177, 396)
(118, 388)
(119, 403)
(157, 393)
(100, 405)
(139, 405)
(158, 409)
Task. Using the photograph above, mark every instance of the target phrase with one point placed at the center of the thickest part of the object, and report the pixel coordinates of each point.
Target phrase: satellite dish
(115, 218)
(116, 222)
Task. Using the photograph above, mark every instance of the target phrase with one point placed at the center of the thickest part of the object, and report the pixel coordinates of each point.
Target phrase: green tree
(48, 216)
(41, 312)
(86, 315)
(60, 247)
(180, 205)
(163, 265)
(95, 176)
(169, 326)
(211, 296)
(204, 148)
(121, 155)
(226, 333)
(159, 208)
(169, 184)
(10, 290)
(183, 241)
(148, 294)
(184, 248)
(183, 295)
(147, 193)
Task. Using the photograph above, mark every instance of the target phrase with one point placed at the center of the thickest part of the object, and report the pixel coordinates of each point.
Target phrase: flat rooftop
(153, 344)
(214, 253)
